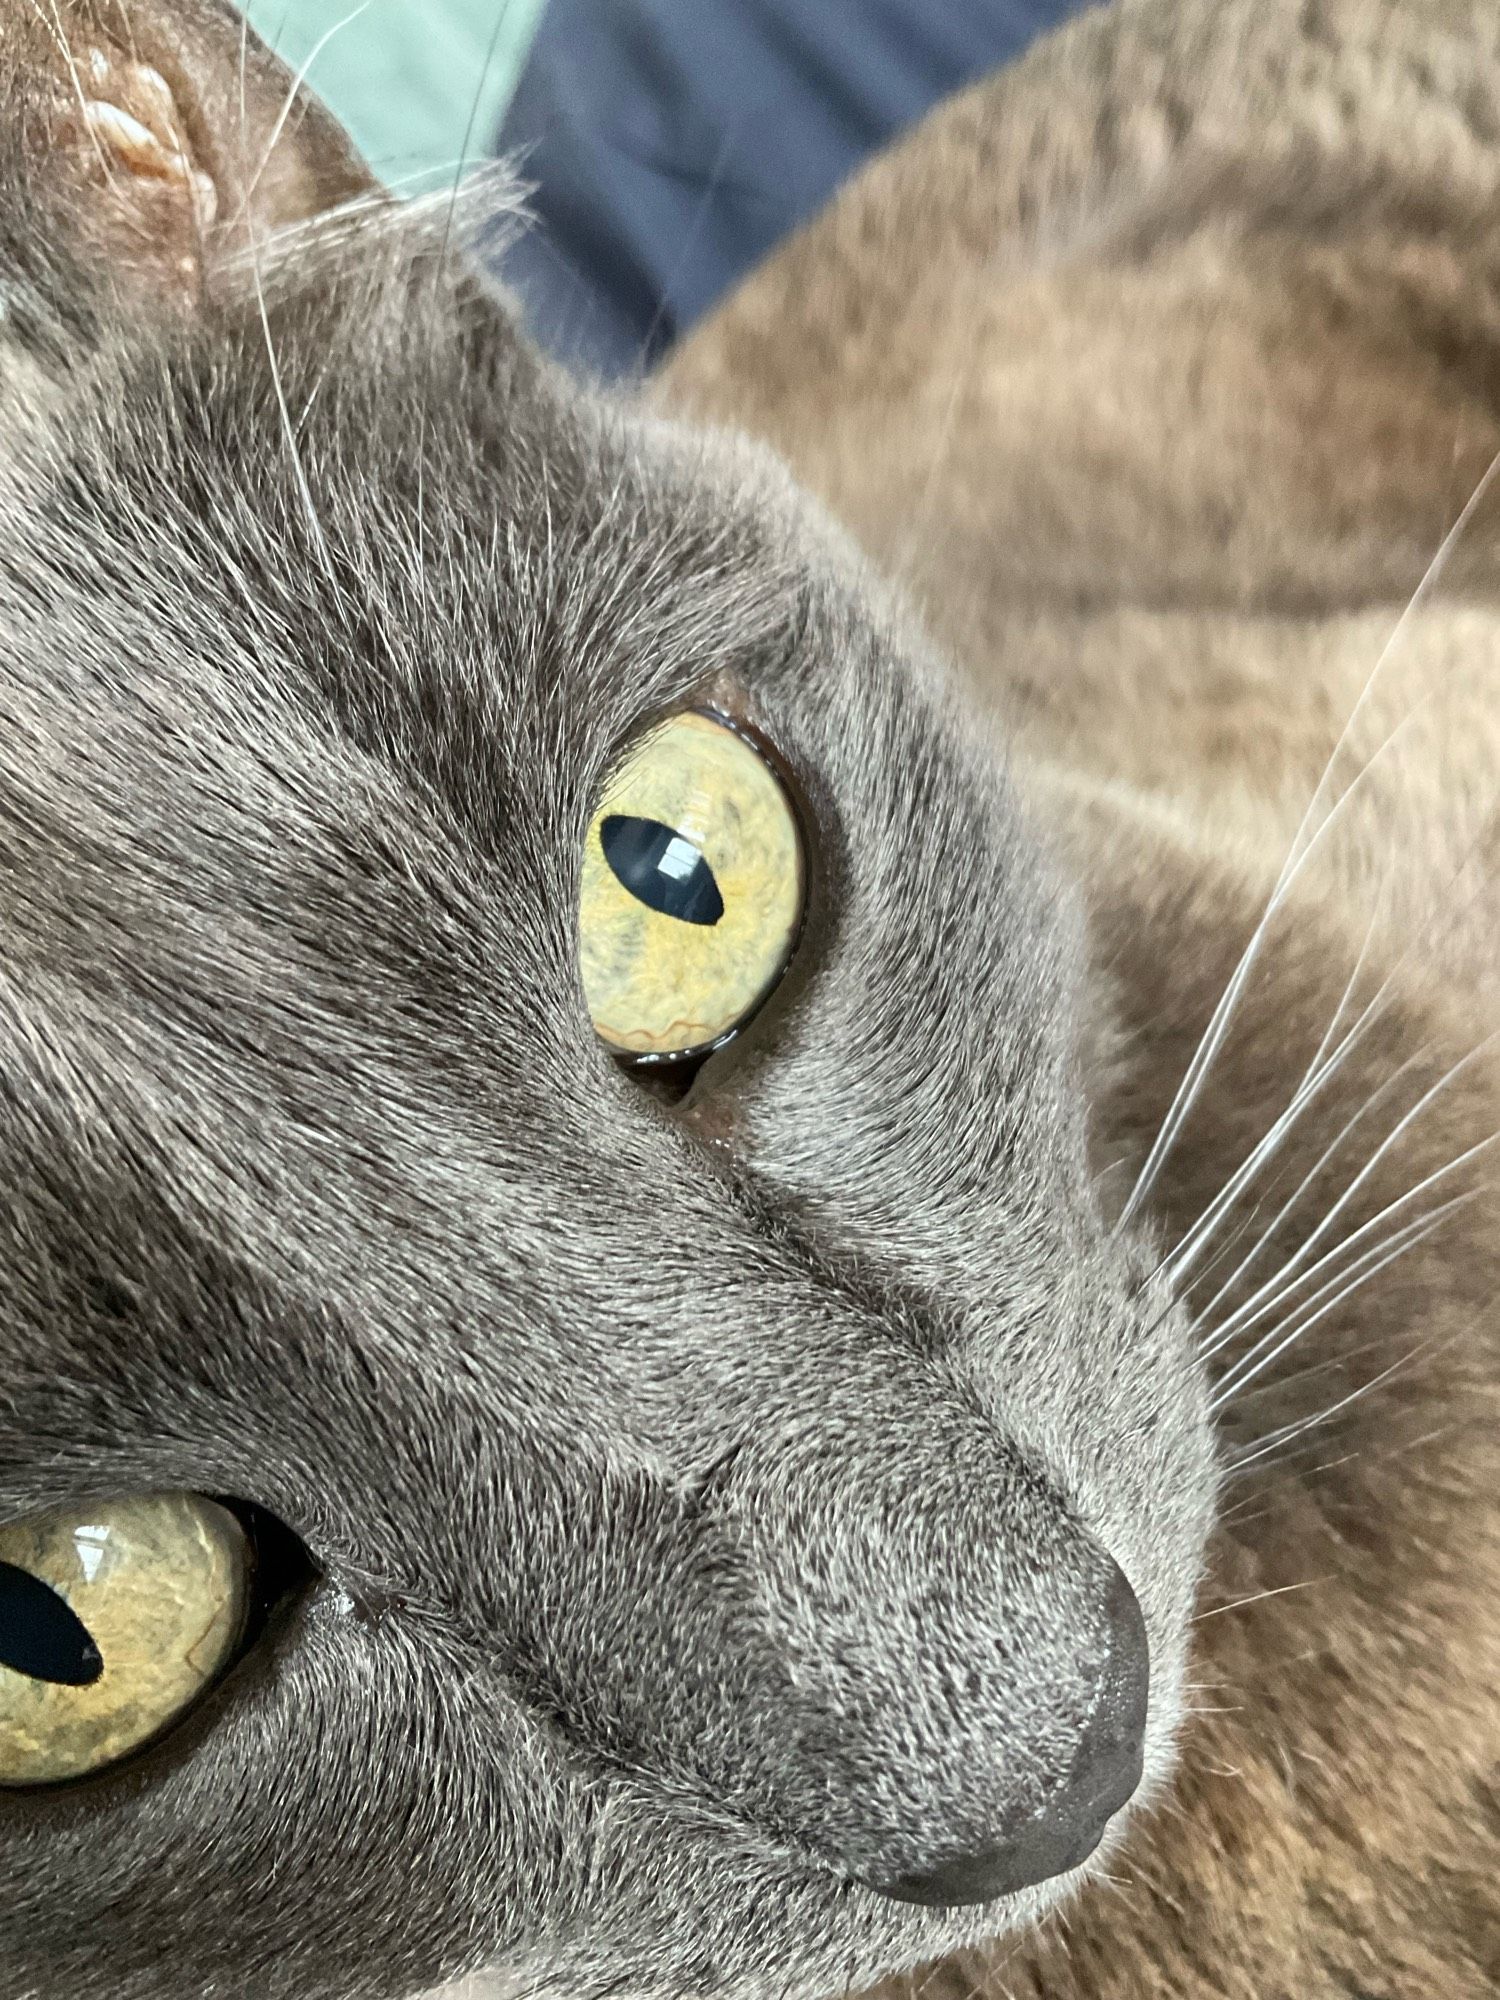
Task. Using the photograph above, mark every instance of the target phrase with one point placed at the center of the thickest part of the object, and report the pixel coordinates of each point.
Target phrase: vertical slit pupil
(661, 868)
(41, 1636)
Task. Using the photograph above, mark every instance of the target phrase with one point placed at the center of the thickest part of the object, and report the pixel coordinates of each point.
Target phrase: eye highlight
(692, 892)
(112, 1623)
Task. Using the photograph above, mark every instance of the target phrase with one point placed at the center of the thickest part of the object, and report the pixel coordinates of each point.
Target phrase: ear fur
(163, 136)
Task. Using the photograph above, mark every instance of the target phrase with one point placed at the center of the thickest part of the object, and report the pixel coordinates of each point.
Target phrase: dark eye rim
(672, 1075)
(283, 1574)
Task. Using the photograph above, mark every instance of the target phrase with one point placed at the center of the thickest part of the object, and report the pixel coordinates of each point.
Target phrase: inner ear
(180, 139)
(142, 199)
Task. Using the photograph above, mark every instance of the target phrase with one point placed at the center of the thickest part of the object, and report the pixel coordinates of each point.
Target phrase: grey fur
(701, 1523)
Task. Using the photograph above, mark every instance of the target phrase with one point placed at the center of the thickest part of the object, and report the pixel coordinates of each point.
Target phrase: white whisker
(1218, 1026)
(1185, 1255)
(467, 141)
(1258, 1597)
(1302, 848)
(1265, 1356)
(1323, 1067)
(1275, 1286)
(1299, 1192)
(1277, 1439)
(51, 19)
(294, 450)
(1351, 984)
(1287, 1281)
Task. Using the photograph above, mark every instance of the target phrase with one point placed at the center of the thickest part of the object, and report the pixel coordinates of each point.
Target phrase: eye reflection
(661, 869)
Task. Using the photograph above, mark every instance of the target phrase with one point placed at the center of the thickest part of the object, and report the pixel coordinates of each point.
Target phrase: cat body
(1161, 369)
(720, 1506)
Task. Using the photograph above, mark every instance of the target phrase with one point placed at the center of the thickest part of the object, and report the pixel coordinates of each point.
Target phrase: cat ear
(169, 134)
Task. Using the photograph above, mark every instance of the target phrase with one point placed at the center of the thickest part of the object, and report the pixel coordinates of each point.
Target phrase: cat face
(701, 1505)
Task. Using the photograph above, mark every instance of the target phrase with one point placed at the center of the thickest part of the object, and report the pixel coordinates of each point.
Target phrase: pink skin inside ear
(131, 116)
(143, 202)
(168, 157)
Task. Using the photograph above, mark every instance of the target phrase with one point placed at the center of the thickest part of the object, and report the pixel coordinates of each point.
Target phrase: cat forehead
(360, 500)
(329, 517)
(286, 607)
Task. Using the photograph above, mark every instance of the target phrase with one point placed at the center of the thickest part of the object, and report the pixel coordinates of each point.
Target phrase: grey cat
(742, 1531)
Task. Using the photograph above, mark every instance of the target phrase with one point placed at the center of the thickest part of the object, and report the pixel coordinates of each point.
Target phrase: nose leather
(1101, 1778)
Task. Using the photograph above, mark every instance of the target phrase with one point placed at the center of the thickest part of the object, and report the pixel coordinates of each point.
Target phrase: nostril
(1110, 1755)
(1102, 1775)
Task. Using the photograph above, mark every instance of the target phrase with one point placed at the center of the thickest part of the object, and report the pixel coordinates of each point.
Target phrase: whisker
(1258, 1597)
(1308, 1180)
(1300, 852)
(1276, 1440)
(1270, 1144)
(1164, 1267)
(690, 236)
(1275, 1286)
(51, 19)
(465, 144)
(294, 450)
(1316, 1075)
(440, 262)
(1218, 1026)
(1319, 1070)
(1340, 1358)
(244, 93)
(1352, 984)
(1280, 1288)
(1263, 1356)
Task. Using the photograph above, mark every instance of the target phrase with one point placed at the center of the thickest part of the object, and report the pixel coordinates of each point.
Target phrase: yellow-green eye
(692, 890)
(112, 1624)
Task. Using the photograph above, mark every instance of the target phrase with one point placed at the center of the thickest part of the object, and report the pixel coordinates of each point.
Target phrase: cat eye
(692, 892)
(113, 1622)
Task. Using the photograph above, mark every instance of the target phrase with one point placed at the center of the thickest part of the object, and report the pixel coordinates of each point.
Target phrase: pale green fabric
(421, 84)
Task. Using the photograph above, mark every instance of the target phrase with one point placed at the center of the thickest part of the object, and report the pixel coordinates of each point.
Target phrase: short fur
(325, 604)
(709, 1501)
(1160, 368)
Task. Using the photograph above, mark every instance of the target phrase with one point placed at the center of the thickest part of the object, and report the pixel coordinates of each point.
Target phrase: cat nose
(1100, 1779)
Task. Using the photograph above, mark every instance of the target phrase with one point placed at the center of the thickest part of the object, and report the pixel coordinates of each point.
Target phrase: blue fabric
(671, 143)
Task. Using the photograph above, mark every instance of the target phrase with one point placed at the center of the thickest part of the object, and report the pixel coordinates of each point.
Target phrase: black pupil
(41, 1636)
(662, 869)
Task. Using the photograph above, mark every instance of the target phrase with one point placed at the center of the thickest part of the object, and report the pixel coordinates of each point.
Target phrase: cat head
(723, 1525)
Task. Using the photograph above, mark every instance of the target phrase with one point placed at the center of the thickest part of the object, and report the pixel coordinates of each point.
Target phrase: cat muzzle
(1100, 1780)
